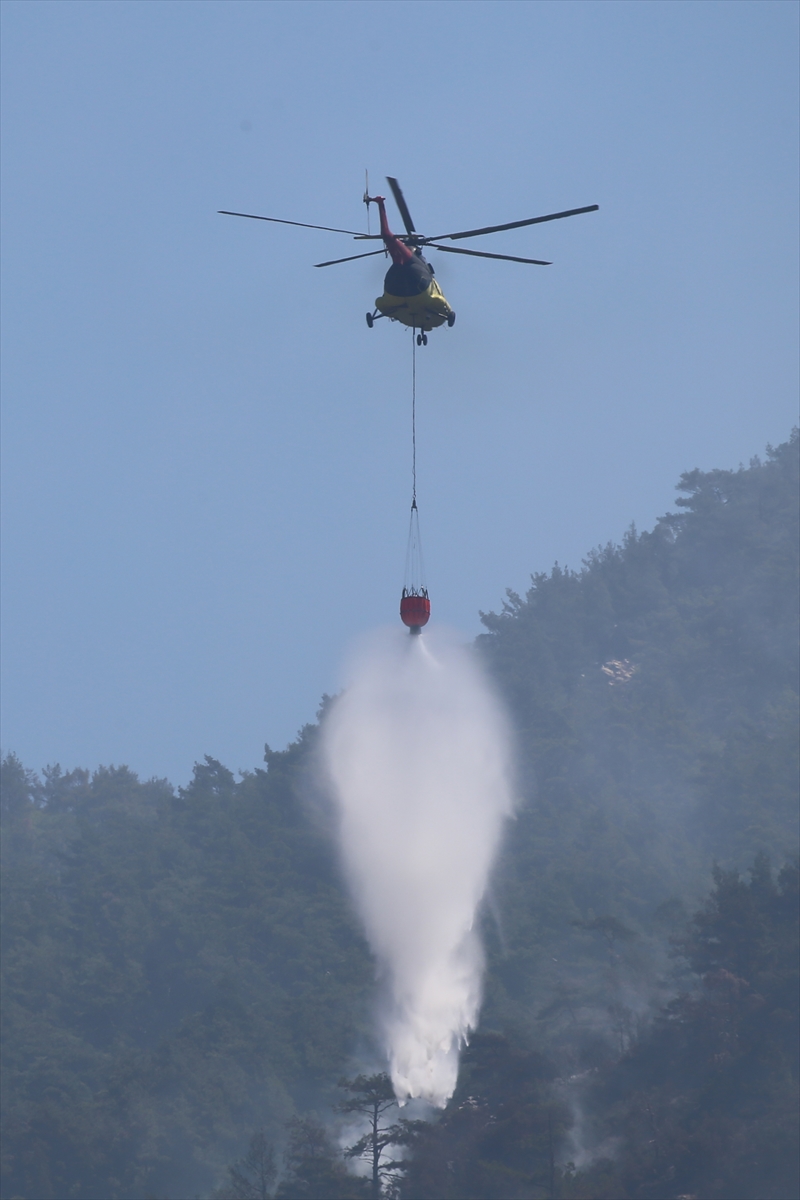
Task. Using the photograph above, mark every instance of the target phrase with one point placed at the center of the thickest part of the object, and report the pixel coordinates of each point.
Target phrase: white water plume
(418, 754)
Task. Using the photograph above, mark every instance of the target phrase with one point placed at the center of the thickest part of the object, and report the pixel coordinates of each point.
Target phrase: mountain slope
(182, 968)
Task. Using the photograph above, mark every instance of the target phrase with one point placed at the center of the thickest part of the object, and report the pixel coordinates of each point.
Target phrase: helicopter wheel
(370, 320)
(451, 319)
(419, 339)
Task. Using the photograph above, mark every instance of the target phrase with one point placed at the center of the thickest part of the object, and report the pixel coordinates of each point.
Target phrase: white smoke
(418, 755)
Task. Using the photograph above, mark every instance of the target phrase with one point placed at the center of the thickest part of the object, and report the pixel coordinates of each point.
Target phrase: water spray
(417, 753)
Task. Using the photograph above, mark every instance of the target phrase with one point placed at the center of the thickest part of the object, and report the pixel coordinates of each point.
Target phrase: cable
(414, 418)
(415, 568)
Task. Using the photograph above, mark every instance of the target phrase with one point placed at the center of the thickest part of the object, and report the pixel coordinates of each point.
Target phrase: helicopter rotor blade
(400, 201)
(253, 217)
(467, 233)
(537, 262)
(334, 261)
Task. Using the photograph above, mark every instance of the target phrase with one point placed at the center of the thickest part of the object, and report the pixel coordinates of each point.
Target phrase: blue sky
(206, 459)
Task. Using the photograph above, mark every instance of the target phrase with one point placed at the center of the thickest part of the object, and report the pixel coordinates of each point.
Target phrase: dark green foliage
(499, 1134)
(177, 968)
(253, 1177)
(654, 697)
(706, 1103)
(314, 1169)
(703, 1103)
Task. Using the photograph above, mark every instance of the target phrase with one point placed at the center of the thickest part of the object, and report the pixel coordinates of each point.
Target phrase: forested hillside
(182, 969)
(178, 968)
(655, 698)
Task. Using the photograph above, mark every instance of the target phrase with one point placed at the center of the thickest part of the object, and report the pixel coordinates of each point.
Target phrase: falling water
(418, 755)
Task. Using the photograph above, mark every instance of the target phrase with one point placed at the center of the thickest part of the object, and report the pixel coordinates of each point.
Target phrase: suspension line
(414, 418)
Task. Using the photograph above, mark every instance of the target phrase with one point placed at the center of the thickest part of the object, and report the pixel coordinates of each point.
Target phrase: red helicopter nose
(415, 611)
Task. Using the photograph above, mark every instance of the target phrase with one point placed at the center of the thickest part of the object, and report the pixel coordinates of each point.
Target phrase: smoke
(418, 755)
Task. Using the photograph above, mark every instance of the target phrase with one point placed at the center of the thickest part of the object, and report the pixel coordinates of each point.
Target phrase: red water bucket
(415, 611)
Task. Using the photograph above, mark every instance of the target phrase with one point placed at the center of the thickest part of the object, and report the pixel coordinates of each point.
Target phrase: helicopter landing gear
(422, 339)
(370, 320)
(451, 319)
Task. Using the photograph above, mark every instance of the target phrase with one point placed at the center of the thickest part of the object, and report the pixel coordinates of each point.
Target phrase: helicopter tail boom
(398, 251)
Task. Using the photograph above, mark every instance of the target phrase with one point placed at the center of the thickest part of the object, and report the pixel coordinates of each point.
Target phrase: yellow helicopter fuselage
(427, 310)
(412, 295)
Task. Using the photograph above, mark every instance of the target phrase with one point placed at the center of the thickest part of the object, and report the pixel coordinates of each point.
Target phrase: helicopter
(411, 294)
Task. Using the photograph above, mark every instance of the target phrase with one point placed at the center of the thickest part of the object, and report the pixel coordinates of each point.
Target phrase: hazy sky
(206, 452)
